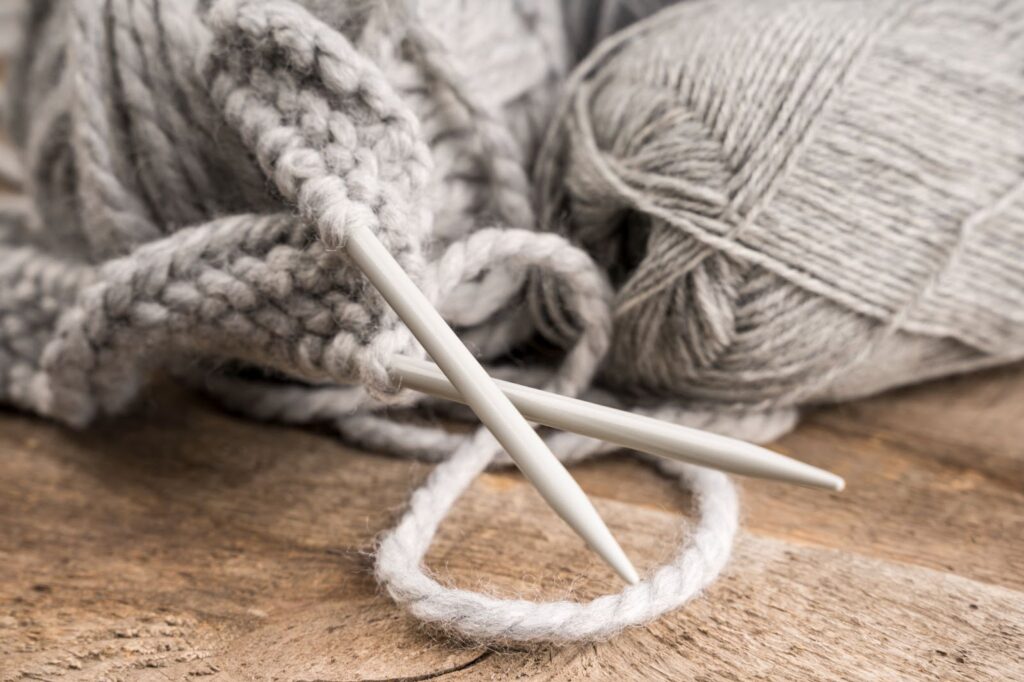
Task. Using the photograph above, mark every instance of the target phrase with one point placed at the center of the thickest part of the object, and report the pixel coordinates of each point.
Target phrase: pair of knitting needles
(504, 407)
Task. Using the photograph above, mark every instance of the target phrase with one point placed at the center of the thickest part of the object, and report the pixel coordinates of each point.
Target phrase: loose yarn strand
(480, 617)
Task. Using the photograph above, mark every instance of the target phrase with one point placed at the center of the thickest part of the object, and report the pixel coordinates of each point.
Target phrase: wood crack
(425, 676)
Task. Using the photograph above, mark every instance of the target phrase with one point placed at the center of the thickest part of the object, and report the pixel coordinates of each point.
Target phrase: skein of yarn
(794, 201)
(800, 200)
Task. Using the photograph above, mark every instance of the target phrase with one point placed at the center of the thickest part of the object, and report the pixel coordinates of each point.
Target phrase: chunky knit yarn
(778, 202)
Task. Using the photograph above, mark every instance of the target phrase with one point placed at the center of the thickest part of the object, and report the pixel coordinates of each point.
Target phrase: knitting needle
(472, 385)
(630, 430)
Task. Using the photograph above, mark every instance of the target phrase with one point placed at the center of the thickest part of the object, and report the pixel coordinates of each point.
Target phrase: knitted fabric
(193, 169)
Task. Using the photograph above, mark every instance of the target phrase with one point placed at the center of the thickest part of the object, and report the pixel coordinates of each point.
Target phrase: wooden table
(179, 542)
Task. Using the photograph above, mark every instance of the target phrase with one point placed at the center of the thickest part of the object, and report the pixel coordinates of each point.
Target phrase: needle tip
(630, 576)
(839, 485)
(612, 553)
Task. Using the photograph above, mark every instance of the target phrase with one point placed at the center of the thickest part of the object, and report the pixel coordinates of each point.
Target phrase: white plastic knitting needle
(471, 383)
(630, 430)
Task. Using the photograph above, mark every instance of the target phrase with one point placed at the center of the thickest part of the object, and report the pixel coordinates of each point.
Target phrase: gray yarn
(193, 168)
(588, 22)
(816, 200)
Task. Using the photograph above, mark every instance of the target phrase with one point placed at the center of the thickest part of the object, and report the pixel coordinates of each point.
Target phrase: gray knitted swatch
(727, 210)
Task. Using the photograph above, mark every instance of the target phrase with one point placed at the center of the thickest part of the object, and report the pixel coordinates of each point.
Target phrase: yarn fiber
(800, 200)
(743, 207)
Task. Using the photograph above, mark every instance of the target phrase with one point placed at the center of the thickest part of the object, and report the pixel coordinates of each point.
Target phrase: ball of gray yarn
(800, 200)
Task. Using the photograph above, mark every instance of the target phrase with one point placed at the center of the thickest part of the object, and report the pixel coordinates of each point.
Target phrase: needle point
(630, 575)
(618, 560)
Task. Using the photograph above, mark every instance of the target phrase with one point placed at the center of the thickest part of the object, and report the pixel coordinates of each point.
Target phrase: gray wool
(800, 200)
(745, 207)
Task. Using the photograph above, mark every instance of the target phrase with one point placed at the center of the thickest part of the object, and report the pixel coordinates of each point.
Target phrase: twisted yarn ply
(800, 200)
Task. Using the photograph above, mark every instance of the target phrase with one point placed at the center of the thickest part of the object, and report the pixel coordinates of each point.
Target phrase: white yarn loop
(400, 556)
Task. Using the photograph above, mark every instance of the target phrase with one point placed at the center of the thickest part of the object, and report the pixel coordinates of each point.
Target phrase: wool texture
(735, 208)
(800, 201)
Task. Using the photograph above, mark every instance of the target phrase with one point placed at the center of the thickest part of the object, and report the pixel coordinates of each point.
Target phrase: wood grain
(179, 542)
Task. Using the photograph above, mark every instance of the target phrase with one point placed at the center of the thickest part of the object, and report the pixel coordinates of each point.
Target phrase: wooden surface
(182, 543)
